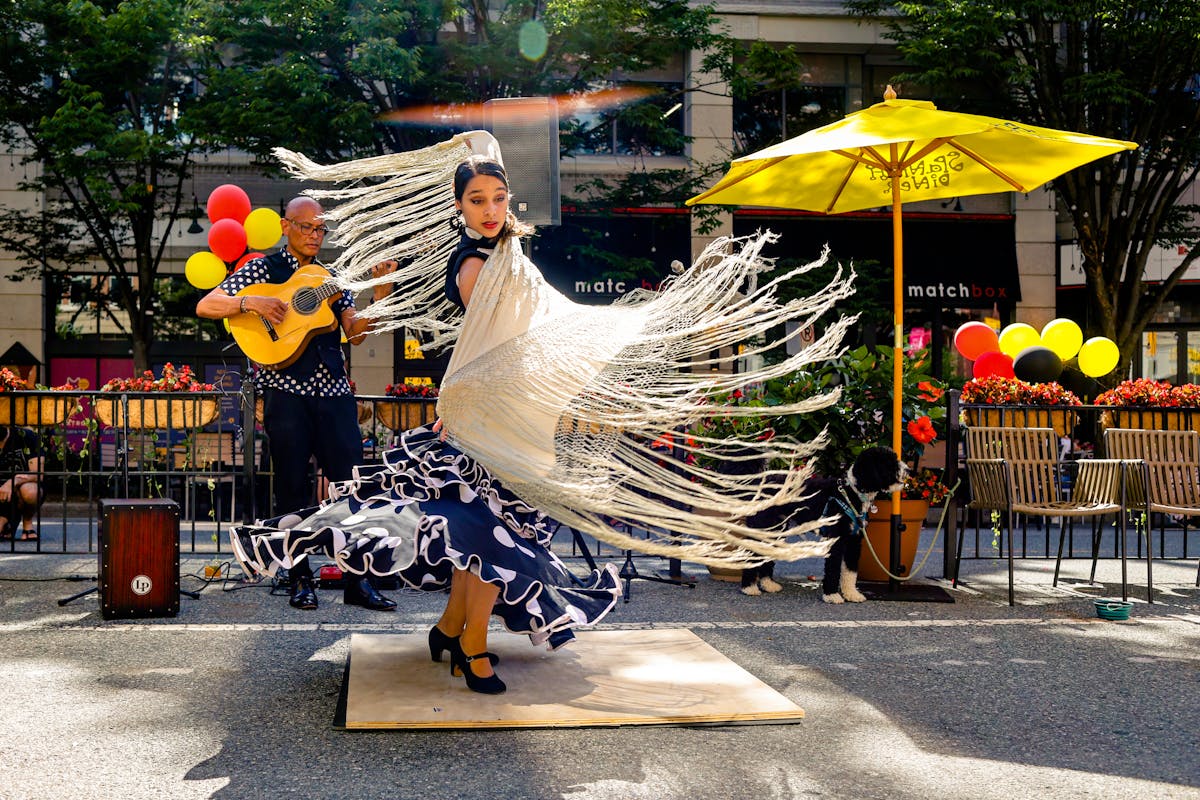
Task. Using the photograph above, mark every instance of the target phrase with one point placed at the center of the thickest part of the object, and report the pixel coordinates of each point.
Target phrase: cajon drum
(139, 558)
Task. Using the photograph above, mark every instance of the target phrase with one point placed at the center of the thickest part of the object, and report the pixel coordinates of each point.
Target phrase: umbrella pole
(897, 360)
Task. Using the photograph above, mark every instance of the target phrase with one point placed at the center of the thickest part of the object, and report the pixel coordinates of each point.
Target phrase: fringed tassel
(396, 207)
(566, 407)
(564, 403)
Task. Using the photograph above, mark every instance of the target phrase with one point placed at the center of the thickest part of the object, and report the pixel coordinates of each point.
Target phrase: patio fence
(208, 452)
(1082, 430)
(205, 450)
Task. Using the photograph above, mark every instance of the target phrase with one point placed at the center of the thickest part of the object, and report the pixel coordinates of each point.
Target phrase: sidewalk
(234, 697)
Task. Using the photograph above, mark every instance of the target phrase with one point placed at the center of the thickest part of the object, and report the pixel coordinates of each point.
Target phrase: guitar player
(308, 407)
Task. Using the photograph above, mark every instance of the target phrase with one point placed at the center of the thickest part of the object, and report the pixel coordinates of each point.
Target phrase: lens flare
(475, 115)
(532, 40)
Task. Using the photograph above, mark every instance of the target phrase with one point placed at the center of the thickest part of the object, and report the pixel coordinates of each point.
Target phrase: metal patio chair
(1017, 470)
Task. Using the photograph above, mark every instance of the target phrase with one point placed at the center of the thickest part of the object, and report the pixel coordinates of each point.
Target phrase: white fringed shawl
(562, 401)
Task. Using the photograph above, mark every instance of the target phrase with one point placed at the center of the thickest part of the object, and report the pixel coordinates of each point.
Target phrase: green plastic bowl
(1113, 609)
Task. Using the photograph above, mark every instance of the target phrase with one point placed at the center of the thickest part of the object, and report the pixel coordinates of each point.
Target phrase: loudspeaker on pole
(527, 129)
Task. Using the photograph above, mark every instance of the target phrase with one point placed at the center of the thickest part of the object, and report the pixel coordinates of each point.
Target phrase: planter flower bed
(153, 412)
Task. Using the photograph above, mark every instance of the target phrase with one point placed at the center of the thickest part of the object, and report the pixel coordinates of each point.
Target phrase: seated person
(20, 487)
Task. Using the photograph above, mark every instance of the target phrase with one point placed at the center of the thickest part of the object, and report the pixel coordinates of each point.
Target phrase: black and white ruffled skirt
(428, 510)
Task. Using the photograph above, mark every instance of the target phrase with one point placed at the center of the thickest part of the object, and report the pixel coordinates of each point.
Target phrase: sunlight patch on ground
(74, 705)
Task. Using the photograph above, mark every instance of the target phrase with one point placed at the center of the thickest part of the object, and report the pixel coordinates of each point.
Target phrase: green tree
(335, 78)
(97, 95)
(113, 101)
(1120, 68)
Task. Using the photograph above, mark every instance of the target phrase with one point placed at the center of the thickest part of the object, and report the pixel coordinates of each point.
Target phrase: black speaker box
(527, 129)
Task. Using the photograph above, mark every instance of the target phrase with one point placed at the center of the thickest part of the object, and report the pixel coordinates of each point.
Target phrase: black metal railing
(205, 450)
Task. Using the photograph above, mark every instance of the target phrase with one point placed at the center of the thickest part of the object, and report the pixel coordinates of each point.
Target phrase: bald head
(298, 205)
(304, 226)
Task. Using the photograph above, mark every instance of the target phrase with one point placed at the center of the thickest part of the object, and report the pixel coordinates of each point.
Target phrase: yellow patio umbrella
(901, 151)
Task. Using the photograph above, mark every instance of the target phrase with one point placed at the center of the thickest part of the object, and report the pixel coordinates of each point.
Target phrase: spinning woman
(547, 407)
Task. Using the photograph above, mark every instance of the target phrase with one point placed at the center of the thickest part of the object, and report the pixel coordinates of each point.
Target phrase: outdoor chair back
(1018, 470)
(1167, 480)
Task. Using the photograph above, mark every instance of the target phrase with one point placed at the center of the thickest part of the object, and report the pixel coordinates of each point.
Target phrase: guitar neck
(327, 290)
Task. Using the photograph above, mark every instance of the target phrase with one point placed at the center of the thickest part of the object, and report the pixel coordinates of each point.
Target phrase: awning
(959, 261)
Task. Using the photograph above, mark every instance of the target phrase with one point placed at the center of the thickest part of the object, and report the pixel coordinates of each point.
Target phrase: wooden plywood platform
(605, 678)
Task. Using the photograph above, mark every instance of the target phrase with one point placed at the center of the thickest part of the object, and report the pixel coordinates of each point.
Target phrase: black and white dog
(848, 499)
(874, 471)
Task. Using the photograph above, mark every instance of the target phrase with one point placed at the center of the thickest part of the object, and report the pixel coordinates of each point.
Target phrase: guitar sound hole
(305, 301)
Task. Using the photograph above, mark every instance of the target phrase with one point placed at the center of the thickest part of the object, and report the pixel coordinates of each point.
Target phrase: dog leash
(859, 521)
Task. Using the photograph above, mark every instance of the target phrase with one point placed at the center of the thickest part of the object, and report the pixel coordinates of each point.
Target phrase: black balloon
(1085, 388)
(1037, 365)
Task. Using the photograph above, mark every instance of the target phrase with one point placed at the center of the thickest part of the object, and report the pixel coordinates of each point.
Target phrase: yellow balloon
(1098, 356)
(204, 270)
(1016, 337)
(1063, 337)
(262, 228)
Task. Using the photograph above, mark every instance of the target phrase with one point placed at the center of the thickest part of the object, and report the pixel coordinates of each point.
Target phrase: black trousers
(300, 427)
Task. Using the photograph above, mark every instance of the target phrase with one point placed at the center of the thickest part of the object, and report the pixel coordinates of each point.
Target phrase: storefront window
(88, 308)
(652, 126)
(1160, 355)
(1193, 357)
(829, 87)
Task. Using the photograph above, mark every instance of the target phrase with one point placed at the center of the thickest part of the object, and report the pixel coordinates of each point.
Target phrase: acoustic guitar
(308, 315)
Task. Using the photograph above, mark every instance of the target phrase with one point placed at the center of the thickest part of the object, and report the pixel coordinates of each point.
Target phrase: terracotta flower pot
(879, 531)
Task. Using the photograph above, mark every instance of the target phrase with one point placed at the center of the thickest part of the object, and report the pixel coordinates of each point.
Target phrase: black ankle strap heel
(489, 685)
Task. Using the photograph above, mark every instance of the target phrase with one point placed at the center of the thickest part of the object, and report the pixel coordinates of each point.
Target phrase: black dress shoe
(304, 595)
(361, 593)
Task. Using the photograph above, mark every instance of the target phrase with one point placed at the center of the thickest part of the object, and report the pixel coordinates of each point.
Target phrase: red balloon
(227, 239)
(228, 202)
(973, 339)
(244, 260)
(993, 364)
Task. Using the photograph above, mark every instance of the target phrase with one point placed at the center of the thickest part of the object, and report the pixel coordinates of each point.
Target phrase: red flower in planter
(1013, 391)
(922, 430)
(11, 381)
(171, 380)
(411, 390)
(1149, 393)
(1187, 394)
(925, 484)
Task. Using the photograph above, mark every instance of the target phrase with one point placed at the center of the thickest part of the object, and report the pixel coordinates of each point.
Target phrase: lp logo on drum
(141, 584)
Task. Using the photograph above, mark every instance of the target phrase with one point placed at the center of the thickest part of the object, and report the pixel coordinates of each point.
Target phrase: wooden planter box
(29, 411)
(146, 413)
(1061, 419)
(1155, 419)
(403, 415)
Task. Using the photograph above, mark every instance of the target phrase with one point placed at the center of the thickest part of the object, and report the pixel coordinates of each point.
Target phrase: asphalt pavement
(235, 696)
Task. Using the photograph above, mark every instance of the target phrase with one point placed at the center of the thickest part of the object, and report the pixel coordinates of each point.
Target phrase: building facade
(992, 256)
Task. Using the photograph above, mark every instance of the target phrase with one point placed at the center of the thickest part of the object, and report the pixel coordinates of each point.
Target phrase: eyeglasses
(306, 228)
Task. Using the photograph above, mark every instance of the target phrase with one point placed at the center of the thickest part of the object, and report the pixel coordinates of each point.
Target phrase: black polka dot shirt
(323, 382)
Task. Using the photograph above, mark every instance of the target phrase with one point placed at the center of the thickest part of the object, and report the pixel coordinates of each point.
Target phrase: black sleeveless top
(470, 244)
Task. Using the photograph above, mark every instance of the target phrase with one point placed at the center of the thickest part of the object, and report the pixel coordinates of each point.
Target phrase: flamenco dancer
(547, 410)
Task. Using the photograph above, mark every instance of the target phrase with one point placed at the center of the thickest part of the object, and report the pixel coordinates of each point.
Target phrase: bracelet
(242, 305)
